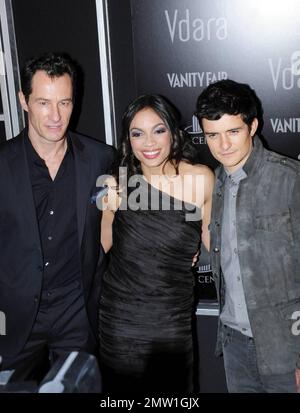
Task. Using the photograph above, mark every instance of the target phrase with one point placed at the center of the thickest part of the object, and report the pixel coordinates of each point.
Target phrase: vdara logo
(2, 324)
(195, 132)
(286, 76)
(205, 276)
(196, 29)
(195, 79)
(285, 125)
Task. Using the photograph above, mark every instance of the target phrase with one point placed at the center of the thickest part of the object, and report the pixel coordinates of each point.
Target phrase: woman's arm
(209, 180)
(106, 230)
(201, 189)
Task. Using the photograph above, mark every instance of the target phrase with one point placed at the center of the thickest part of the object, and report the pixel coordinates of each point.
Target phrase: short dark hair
(227, 97)
(54, 64)
(181, 148)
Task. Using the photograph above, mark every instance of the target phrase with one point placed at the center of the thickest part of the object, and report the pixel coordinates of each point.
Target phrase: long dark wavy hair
(181, 147)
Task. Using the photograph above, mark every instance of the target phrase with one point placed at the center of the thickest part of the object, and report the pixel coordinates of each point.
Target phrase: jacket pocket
(287, 310)
(276, 223)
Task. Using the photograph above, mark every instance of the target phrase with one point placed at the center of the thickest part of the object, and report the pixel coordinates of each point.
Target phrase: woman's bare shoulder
(196, 169)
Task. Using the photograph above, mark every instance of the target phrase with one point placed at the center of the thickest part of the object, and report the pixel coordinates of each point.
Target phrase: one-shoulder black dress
(147, 302)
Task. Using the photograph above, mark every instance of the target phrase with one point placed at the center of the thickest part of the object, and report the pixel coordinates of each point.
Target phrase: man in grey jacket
(255, 245)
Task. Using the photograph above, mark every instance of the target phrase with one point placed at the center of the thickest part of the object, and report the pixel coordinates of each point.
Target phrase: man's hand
(297, 373)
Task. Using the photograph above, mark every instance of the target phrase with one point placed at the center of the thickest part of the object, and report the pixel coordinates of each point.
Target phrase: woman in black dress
(157, 207)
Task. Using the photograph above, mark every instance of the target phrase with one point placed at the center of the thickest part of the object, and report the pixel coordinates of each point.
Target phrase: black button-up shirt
(55, 204)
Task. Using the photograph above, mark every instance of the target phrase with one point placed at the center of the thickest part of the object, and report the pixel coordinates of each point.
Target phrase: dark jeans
(241, 369)
(61, 326)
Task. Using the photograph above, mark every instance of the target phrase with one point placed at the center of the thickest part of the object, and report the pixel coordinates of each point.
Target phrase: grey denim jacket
(268, 232)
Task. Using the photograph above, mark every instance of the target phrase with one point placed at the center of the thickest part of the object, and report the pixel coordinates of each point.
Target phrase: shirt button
(47, 263)
(50, 238)
(51, 212)
(216, 249)
(36, 298)
(239, 278)
(235, 251)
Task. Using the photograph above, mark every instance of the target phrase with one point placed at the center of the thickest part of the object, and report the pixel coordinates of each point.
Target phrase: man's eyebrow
(238, 127)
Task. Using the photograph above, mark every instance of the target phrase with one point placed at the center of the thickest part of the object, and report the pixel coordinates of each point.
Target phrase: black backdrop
(176, 47)
(180, 46)
(65, 26)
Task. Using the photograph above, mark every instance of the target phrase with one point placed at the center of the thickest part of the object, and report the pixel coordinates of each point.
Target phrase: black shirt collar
(33, 156)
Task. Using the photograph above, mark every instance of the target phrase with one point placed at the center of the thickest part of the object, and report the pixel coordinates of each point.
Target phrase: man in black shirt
(51, 258)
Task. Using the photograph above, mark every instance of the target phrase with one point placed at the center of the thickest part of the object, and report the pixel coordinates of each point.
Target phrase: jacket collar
(83, 181)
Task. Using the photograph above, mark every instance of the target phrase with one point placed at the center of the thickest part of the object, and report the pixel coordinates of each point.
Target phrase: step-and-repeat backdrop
(181, 46)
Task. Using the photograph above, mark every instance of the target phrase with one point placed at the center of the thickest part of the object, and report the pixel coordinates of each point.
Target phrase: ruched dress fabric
(147, 298)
